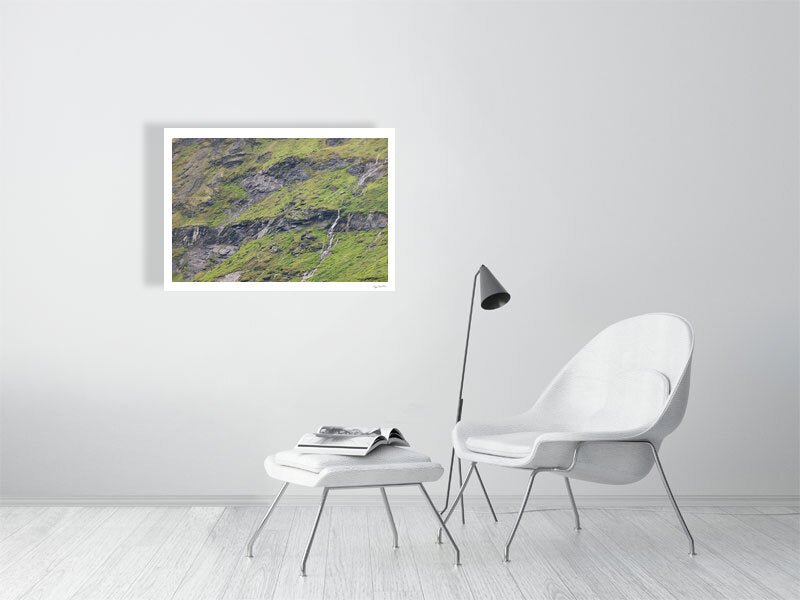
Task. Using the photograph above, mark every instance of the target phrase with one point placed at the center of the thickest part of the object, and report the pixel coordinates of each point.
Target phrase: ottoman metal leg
(257, 532)
(313, 531)
(442, 523)
(391, 518)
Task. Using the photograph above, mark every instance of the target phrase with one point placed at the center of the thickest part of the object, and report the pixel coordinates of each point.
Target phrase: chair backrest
(634, 375)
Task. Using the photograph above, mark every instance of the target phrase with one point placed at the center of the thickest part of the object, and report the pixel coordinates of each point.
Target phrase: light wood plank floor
(126, 553)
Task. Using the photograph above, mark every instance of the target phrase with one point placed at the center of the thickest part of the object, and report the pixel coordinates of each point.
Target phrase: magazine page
(355, 442)
(392, 434)
(334, 430)
(348, 440)
(346, 445)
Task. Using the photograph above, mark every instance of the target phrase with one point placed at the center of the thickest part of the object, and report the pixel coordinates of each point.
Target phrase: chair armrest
(560, 449)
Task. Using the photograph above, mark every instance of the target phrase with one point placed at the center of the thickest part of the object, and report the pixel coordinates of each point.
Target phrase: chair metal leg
(455, 502)
(391, 518)
(574, 507)
(313, 532)
(672, 500)
(485, 495)
(519, 516)
(461, 482)
(257, 532)
(442, 523)
(449, 481)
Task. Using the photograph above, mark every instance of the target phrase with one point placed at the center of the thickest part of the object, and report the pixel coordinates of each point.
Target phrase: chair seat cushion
(508, 445)
(387, 465)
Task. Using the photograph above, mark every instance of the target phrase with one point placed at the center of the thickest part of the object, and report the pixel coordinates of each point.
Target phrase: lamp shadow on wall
(154, 187)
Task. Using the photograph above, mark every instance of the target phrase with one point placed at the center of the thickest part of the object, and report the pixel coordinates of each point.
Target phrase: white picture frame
(174, 133)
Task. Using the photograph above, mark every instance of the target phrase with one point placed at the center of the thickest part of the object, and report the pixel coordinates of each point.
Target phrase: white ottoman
(384, 467)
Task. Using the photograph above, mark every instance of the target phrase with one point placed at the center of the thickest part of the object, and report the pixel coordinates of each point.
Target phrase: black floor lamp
(493, 295)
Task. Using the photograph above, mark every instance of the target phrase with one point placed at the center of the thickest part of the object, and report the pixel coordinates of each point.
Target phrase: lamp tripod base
(461, 483)
(493, 295)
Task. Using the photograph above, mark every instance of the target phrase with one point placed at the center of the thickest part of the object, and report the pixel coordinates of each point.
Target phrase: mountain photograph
(280, 210)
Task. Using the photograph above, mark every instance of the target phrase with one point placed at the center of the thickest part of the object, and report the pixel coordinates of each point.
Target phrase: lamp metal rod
(466, 347)
(460, 393)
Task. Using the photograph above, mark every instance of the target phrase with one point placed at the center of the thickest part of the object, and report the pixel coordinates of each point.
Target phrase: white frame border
(171, 133)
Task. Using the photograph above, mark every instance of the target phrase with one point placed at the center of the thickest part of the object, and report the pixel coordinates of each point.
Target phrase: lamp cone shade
(493, 294)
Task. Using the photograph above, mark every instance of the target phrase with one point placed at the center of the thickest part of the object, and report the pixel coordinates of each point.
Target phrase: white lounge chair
(601, 419)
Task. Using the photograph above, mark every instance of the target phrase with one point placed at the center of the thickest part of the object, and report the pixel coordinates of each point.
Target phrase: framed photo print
(279, 209)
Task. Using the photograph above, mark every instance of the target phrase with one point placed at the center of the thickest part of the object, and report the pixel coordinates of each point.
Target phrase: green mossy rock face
(280, 210)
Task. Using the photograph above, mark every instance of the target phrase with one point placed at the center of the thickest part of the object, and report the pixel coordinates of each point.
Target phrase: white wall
(604, 160)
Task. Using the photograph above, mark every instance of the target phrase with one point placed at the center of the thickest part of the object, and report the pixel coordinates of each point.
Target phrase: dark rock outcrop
(368, 171)
(290, 170)
(208, 246)
(260, 184)
(333, 163)
(362, 222)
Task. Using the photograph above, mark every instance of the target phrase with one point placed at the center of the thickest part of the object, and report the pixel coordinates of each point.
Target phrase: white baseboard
(368, 497)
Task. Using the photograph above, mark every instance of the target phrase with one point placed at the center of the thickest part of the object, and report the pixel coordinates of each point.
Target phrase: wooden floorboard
(394, 571)
(754, 553)
(214, 565)
(780, 532)
(348, 567)
(162, 576)
(14, 518)
(486, 574)
(256, 577)
(178, 553)
(533, 562)
(709, 574)
(290, 584)
(27, 569)
(788, 519)
(33, 533)
(114, 576)
(606, 555)
(438, 576)
(85, 557)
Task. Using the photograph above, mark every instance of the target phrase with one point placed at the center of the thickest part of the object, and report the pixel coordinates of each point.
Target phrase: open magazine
(349, 441)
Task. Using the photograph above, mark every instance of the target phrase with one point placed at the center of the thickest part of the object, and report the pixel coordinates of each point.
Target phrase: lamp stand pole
(458, 419)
